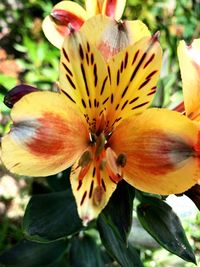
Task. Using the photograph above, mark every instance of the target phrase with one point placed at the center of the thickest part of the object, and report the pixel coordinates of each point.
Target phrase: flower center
(103, 158)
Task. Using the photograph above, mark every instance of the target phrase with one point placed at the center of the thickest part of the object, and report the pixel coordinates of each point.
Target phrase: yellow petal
(189, 61)
(84, 77)
(45, 137)
(162, 151)
(134, 73)
(113, 8)
(92, 7)
(72, 16)
(110, 37)
(136, 30)
(90, 197)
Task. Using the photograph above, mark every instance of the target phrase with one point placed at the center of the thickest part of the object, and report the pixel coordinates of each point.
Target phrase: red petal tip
(17, 93)
(156, 36)
(65, 18)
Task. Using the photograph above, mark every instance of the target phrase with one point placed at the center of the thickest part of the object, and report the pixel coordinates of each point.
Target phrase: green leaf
(3, 107)
(119, 210)
(158, 218)
(114, 225)
(125, 255)
(60, 181)
(84, 252)
(7, 81)
(30, 254)
(51, 216)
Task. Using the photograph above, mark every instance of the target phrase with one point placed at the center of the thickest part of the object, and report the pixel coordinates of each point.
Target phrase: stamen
(93, 137)
(85, 159)
(113, 168)
(98, 196)
(101, 140)
(102, 164)
(121, 160)
(100, 123)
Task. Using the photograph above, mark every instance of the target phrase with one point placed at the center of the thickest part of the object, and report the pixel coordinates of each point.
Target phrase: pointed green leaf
(60, 181)
(51, 216)
(84, 252)
(158, 218)
(119, 210)
(31, 254)
(125, 255)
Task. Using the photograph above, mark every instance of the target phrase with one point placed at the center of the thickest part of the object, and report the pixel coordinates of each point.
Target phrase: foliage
(52, 234)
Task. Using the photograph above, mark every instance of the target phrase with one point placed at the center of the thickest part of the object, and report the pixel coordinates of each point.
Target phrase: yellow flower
(67, 16)
(100, 125)
(189, 61)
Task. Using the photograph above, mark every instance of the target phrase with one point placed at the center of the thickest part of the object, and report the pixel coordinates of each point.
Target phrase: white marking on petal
(24, 131)
(194, 54)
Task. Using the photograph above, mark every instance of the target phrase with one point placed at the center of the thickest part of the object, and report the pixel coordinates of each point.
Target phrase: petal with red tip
(93, 192)
(180, 107)
(189, 61)
(47, 135)
(65, 16)
(17, 93)
(134, 74)
(110, 36)
(162, 151)
(113, 8)
(84, 77)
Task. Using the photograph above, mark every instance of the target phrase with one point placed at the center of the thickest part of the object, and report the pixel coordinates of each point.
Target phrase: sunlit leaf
(158, 218)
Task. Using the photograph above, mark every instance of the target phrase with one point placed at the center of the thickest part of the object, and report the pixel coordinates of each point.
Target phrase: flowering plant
(100, 132)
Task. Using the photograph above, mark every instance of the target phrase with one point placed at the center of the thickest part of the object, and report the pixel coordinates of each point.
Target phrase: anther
(98, 196)
(85, 159)
(121, 160)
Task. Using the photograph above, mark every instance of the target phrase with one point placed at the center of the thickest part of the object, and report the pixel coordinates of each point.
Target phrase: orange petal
(134, 74)
(110, 37)
(189, 61)
(91, 197)
(162, 151)
(113, 8)
(65, 16)
(45, 137)
(84, 77)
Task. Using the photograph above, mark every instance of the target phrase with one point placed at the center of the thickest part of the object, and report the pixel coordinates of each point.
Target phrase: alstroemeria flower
(99, 124)
(67, 16)
(110, 36)
(189, 61)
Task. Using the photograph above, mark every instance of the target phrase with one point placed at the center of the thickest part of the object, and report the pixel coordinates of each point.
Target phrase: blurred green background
(27, 57)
